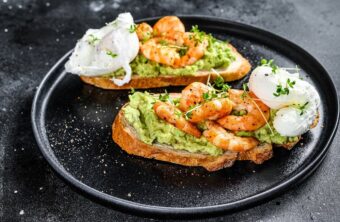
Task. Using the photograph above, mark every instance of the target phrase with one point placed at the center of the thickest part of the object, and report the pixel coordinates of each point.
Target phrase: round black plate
(72, 125)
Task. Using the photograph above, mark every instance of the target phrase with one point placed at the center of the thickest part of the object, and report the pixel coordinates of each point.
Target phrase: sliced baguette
(126, 137)
(236, 70)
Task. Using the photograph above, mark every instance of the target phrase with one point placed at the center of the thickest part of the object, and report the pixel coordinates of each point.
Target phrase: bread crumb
(22, 212)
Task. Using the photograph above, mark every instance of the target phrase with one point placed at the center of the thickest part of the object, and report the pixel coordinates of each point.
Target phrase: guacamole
(150, 129)
(268, 134)
(217, 55)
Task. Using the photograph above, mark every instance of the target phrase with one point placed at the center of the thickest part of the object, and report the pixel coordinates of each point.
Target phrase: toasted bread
(259, 154)
(236, 70)
(126, 137)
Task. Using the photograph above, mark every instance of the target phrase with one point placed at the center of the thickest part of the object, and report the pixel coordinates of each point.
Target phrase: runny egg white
(105, 50)
(296, 110)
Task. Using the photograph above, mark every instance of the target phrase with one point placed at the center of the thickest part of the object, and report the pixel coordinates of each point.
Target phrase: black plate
(72, 125)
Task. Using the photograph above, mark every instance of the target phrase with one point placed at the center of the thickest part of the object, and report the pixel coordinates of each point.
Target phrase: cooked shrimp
(155, 50)
(165, 50)
(218, 136)
(210, 110)
(144, 31)
(173, 116)
(256, 112)
(192, 95)
(196, 50)
(168, 24)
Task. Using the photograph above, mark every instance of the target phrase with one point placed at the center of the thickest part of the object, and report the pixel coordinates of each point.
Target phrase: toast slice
(126, 137)
(236, 70)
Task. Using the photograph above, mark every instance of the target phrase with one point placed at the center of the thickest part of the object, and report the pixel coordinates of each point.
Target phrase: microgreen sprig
(280, 90)
(92, 39)
(302, 108)
(110, 53)
(270, 63)
(245, 91)
(165, 97)
(133, 28)
(188, 114)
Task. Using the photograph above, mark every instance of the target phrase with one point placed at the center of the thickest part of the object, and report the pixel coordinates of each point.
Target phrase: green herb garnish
(132, 28)
(280, 90)
(183, 51)
(198, 35)
(176, 101)
(178, 113)
(110, 53)
(92, 39)
(188, 114)
(164, 97)
(210, 95)
(245, 93)
(239, 112)
(270, 63)
(302, 108)
(219, 81)
(219, 84)
(163, 42)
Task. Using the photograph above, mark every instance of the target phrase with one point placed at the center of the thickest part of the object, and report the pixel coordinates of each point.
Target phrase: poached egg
(105, 50)
(297, 109)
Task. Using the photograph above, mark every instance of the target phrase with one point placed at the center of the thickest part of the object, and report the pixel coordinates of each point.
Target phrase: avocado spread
(151, 129)
(268, 134)
(217, 55)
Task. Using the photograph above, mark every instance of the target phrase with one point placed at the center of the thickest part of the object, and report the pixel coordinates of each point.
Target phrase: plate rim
(37, 112)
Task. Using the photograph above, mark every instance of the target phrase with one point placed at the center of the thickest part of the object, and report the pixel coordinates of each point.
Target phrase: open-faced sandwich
(123, 55)
(212, 125)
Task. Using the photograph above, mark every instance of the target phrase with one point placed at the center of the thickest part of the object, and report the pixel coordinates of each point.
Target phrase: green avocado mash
(268, 134)
(150, 129)
(217, 55)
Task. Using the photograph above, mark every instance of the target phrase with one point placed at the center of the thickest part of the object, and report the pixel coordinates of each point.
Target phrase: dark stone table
(34, 34)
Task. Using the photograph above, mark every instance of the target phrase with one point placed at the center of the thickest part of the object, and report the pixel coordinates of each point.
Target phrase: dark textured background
(34, 34)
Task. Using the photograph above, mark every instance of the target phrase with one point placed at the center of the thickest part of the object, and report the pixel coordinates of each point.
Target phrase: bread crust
(259, 154)
(127, 139)
(236, 70)
(125, 136)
